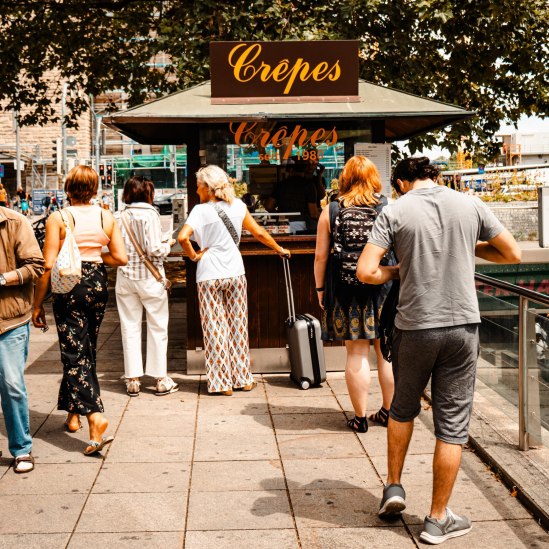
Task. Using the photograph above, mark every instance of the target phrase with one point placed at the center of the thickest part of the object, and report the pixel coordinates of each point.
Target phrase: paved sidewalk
(274, 468)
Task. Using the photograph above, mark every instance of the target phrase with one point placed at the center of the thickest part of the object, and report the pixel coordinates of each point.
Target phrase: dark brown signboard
(292, 71)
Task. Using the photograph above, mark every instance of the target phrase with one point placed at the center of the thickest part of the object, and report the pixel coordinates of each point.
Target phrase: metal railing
(529, 420)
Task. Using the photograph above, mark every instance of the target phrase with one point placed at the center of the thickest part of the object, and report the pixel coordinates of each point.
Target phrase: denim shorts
(448, 356)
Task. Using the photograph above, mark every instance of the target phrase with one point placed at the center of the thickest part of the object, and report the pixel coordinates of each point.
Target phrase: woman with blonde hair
(79, 313)
(216, 224)
(350, 308)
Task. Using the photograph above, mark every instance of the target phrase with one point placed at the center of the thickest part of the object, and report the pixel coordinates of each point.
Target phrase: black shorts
(450, 356)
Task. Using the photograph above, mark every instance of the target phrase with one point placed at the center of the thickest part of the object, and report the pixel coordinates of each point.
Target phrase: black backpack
(351, 228)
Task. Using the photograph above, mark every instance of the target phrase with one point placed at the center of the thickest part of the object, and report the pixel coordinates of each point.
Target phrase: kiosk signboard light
(286, 71)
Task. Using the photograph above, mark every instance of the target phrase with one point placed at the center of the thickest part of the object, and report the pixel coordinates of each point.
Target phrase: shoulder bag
(67, 270)
(142, 256)
(226, 221)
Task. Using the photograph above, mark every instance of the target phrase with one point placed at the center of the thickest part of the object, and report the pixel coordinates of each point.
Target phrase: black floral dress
(78, 316)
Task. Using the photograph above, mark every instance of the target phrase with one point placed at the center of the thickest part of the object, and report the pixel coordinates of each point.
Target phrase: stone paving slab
(235, 446)
(353, 538)
(319, 446)
(52, 479)
(240, 510)
(150, 449)
(34, 514)
(239, 539)
(128, 540)
(34, 541)
(330, 474)
(298, 405)
(224, 476)
(158, 477)
(133, 511)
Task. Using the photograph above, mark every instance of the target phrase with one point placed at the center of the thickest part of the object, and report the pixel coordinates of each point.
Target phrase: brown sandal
(23, 459)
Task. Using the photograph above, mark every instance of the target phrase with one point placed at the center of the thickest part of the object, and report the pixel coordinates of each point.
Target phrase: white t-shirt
(223, 259)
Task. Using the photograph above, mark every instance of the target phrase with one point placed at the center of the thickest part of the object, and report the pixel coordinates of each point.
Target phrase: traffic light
(109, 175)
(102, 174)
(57, 155)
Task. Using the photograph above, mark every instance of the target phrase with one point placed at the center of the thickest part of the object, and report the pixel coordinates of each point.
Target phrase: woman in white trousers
(138, 289)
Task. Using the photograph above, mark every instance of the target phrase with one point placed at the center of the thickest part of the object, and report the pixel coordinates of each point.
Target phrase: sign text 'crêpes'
(251, 133)
(285, 69)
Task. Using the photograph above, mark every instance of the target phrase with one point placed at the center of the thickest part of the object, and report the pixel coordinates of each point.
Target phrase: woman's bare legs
(98, 424)
(385, 376)
(357, 374)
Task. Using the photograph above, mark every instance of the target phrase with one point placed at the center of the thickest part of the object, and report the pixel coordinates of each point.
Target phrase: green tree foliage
(490, 56)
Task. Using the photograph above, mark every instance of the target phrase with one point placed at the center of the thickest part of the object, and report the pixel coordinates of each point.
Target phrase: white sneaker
(165, 386)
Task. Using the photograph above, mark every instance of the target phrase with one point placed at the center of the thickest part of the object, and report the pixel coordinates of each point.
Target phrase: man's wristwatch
(3, 280)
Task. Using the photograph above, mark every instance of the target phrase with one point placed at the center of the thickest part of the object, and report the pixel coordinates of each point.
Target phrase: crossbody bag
(226, 221)
(142, 256)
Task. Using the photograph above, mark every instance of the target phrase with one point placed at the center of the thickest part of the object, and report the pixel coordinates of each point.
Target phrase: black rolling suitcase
(304, 342)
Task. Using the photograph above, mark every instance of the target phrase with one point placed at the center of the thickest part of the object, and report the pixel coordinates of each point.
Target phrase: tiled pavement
(274, 468)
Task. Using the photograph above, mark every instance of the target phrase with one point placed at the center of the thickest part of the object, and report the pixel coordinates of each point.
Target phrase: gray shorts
(450, 356)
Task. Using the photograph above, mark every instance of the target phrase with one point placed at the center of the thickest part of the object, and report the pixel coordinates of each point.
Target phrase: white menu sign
(380, 155)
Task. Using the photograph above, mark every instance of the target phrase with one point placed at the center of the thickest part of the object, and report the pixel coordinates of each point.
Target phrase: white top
(145, 222)
(223, 259)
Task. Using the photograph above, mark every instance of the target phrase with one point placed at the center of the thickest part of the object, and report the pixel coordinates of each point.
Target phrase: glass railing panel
(498, 364)
(537, 375)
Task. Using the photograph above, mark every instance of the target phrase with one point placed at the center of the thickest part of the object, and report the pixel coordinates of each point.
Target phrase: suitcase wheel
(305, 384)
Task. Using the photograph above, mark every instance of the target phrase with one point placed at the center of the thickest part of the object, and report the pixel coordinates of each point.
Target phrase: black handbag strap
(226, 221)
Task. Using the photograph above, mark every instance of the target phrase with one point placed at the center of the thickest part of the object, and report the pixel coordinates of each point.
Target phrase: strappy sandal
(358, 424)
(94, 447)
(250, 387)
(381, 417)
(23, 459)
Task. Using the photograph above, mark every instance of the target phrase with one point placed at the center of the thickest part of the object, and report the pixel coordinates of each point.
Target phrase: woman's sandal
(23, 459)
(94, 447)
(250, 387)
(381, 417)
(358, 424)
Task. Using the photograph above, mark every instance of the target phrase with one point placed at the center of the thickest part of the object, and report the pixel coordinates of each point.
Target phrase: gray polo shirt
(434, 232)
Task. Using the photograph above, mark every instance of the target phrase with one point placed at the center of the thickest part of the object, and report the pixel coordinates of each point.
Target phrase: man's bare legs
(446, 462)
(399, 435)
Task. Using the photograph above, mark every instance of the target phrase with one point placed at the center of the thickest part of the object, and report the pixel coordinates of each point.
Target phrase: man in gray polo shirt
(436, 233)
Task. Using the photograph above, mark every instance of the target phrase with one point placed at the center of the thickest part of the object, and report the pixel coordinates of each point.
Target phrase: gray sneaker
(393, 502)
(438, 531)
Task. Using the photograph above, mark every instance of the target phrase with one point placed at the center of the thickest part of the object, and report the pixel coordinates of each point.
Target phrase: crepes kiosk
(294, 98)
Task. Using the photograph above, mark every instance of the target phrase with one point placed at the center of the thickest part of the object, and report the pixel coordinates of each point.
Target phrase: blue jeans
(14, 347)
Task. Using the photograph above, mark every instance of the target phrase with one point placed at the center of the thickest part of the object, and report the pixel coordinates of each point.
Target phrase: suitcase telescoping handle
(289, 289)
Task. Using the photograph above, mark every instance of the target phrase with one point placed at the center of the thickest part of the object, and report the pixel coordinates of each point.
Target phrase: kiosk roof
(167, 119)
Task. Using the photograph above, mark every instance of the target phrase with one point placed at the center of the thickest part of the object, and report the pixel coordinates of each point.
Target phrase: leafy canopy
(490, 56)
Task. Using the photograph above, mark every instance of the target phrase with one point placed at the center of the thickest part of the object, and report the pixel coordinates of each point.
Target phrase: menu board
(380, 155)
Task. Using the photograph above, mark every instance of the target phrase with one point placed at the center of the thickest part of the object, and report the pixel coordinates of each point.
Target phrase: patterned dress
(78, 316)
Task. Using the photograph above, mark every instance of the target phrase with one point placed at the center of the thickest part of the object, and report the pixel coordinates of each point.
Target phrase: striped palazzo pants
(224, 317)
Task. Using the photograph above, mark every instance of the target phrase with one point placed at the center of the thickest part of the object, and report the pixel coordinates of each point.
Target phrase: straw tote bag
(67, 270)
